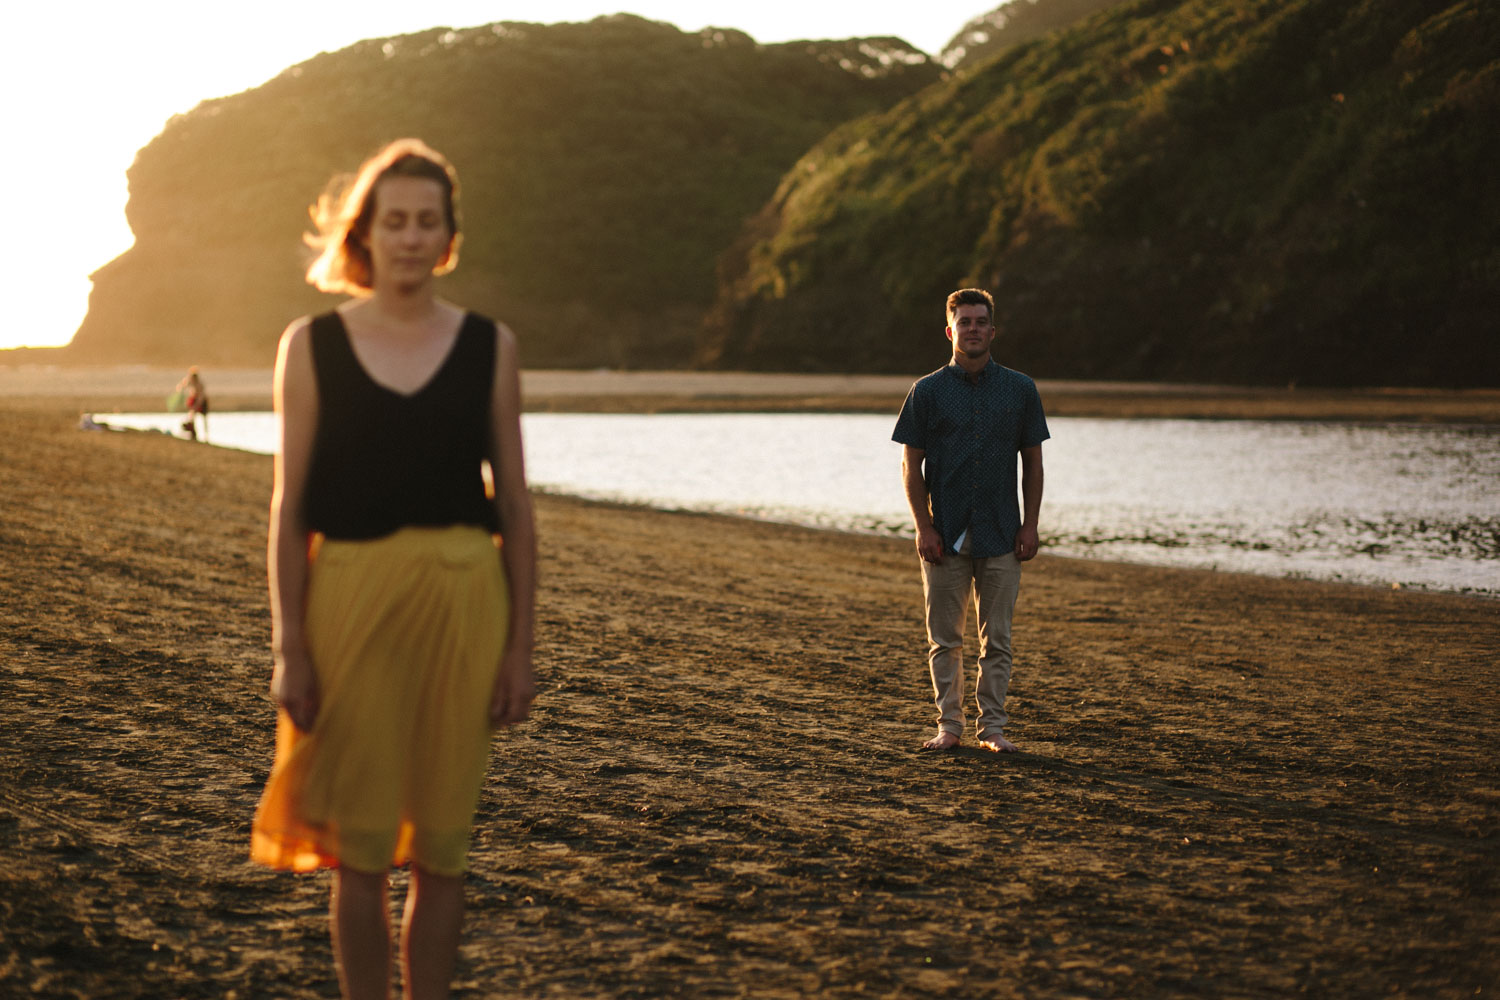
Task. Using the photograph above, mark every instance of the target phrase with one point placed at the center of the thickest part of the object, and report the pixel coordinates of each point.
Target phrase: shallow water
(1387, 504)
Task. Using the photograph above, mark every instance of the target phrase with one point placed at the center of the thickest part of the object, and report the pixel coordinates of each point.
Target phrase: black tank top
(383, 460)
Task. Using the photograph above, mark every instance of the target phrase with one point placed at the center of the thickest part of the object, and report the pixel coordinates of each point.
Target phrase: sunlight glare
(95, 96)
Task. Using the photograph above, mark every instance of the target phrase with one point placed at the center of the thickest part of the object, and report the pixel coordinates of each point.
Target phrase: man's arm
(1031, 501)
(929, 544)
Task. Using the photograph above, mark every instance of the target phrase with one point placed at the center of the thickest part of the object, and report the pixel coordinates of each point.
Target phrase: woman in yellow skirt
(402, 582)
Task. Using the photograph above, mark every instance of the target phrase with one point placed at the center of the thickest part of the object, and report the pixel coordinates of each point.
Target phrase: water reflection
(1412, 505)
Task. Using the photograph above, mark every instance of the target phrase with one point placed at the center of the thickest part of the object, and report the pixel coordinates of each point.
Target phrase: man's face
(971, 330)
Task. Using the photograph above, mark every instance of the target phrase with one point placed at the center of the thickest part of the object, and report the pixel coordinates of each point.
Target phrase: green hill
(1012, 23)
(604, 167)
(1264, 191)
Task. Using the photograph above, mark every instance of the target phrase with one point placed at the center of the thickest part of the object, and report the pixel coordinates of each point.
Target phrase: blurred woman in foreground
(402, 587)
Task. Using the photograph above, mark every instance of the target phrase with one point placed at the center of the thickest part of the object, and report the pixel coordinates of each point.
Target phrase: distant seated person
(196, 402)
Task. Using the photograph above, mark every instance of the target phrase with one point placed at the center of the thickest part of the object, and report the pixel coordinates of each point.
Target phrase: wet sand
(1230, 786)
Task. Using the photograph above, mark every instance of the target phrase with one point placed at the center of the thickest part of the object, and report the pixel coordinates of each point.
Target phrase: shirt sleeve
(1033, 420)
(911, 427)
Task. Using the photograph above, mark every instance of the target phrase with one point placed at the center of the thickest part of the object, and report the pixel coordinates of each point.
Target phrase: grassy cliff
(1259, 192)
(1012, 23)
(1264, 191)
(604, 167)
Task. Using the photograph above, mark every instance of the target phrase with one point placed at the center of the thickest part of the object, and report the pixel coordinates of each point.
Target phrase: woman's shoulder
(298, 340)
(484, 320)
(302, 326)
(297, 328)
(503, 336)
(294, 340)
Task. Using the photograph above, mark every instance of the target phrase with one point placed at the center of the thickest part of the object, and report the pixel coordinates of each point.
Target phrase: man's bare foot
(998, 744)
(942, 741)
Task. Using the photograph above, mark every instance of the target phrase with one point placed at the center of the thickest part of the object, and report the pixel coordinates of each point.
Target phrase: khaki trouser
(949, 586)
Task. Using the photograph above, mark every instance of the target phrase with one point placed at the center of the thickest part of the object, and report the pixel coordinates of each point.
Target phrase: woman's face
(409, 235)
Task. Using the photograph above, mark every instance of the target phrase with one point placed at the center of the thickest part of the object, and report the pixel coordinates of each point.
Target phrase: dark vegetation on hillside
(1256, 191)
(1012, 23)
(1264, 191)
(604, 167)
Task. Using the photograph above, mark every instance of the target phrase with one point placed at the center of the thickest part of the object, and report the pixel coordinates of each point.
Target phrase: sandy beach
(1230, 786)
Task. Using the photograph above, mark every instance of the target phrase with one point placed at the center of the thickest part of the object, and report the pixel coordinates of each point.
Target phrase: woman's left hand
(515, 687)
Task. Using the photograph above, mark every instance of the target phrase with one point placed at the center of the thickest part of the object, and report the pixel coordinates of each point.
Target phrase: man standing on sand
(962, 427)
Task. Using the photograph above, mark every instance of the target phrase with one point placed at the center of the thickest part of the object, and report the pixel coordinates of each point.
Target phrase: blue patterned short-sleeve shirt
(971, 432)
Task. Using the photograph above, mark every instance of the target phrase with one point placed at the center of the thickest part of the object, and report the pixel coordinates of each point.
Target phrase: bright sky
(85, 84)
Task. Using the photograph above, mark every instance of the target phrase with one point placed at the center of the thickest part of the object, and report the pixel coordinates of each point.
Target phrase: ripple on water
(1403, 504)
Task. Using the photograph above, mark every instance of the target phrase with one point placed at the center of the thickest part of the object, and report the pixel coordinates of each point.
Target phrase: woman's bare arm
(515, 683)
(293, 685)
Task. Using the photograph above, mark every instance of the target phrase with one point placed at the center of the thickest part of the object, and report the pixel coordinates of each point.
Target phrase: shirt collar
(957, 370)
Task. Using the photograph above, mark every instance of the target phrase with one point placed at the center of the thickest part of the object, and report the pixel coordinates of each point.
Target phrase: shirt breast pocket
(1004, 418)
(943, 424)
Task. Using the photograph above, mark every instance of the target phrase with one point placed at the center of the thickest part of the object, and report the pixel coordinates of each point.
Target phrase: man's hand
(929, 544)
(1026, 542)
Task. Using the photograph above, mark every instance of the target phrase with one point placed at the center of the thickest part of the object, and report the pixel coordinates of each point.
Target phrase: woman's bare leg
(361, 934)
(429, 933)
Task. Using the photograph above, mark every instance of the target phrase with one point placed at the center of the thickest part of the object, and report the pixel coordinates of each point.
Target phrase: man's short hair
(971, 297)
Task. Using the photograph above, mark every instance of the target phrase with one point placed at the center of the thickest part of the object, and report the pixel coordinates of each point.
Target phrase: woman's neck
(405, 305)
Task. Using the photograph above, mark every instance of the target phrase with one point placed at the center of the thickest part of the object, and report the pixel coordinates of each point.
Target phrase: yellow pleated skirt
(405, 634)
